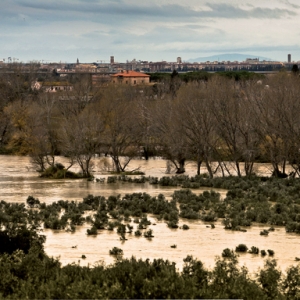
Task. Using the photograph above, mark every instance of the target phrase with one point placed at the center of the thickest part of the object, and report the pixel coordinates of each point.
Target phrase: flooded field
(18, 180)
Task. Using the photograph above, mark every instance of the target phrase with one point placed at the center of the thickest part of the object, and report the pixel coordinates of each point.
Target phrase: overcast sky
(153, 30)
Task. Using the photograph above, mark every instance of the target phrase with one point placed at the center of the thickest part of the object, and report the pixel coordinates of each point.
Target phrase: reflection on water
(18, 180)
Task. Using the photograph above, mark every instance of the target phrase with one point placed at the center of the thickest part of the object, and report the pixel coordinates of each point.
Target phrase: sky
(152, 30)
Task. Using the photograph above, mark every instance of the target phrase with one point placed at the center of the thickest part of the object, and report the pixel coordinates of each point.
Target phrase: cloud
(288, 3)
(228, 11)
(95, 29)
(239, 49)
(115, 8)
(134, 10)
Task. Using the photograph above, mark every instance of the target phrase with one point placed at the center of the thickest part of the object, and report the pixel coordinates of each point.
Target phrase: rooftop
(127, 73)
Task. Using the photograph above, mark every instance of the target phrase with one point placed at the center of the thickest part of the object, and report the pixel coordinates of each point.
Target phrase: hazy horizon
(53, 31)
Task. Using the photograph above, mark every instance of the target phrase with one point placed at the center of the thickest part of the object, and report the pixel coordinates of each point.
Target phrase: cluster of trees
(209, 119)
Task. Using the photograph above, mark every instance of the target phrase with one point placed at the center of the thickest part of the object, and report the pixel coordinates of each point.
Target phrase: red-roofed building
(130, 77)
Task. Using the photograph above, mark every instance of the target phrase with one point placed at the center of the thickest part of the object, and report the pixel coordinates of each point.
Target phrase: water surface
(18, 180)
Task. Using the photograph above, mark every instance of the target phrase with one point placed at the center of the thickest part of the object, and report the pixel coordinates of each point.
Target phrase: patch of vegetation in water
(270, 201)
(267, 201)
(23, 261)
(116, 251)
(126, 173)
(58, 171)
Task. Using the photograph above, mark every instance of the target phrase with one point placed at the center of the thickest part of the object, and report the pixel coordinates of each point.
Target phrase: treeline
(204, 75)
(223, 122)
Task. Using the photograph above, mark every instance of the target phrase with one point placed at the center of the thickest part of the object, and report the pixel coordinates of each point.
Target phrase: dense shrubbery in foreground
(36, 276)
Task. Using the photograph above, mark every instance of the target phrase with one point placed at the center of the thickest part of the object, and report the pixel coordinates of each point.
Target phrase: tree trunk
(208, 167)
(180, 168)
(199, 162)
(116, 163)
(238, 169)
(146, 154)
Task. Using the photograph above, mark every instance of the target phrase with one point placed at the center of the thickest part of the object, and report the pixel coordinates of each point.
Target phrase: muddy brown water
(18, 180)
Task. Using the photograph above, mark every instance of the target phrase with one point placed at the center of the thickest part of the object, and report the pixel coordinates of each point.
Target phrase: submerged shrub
(241, 248)
(32, 202)
(263, 252)
(92, 231)
(116, 251)
(227, 253)
(138, 233)
(148, 234)
(112, 179)
(254, 250)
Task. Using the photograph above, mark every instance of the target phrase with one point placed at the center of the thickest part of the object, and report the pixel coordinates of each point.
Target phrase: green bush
(116, 251)
(148, 234)
(227, 253)
(263, 252)
(112, 179)
(92, 231)
(241, 248)
(32, 202)
(254, 250)
(138, 233)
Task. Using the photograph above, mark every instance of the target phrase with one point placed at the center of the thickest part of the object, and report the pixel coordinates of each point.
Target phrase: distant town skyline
(94, 30)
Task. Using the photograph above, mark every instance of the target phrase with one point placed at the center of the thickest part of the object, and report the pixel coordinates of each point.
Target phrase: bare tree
(79, 94)
(199, 123)
(15, 85)
(274, 121)
(118, 111)
(234, 125)
(82, 138)
(283, 123)
(145, 127)
(170, 132)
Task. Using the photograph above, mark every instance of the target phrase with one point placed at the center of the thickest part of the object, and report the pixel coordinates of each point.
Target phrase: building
(289, 58)
(130, 77)
(252, 60)
(52, 87)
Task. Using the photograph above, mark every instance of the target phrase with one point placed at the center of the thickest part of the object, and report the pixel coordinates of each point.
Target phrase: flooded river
(18, 180)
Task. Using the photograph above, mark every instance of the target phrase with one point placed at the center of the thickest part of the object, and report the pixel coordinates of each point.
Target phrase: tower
(112, 59)
(179, 60)
(289, 58)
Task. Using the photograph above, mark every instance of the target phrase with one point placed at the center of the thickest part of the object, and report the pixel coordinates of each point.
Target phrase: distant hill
(227, 57)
